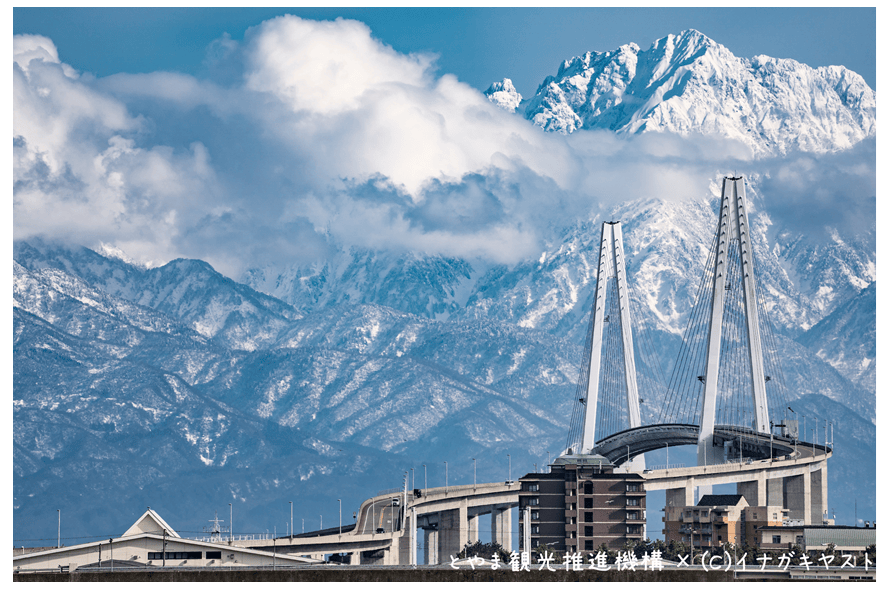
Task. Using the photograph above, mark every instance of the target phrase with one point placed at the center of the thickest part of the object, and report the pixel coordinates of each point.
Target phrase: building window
(775, 538)
(536, 542)
(176, 555)
(634, 487)
(588, 502)
(536, 515)
(588, 545)
(588, 517)
(588, 487)
(213, 555)
(531, 487)
(632, 516)
(588, 531)
(632, 501)
(532, 502)
(536, 530)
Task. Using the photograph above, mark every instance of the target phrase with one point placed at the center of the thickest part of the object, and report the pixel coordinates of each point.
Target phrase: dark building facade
(581, 505)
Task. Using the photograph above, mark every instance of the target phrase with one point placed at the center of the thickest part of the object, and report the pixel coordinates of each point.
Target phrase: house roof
(150, 522)
(720, 500)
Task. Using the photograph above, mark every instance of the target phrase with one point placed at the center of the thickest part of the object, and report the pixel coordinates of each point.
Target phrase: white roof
(154, 536)
(150, 522)
(151, 525)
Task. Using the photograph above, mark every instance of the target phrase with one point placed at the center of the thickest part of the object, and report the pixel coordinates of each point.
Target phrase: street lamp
(339, 516)
(548, 461)
(413, 477)
(474, 473)
(291, 520)
(509, 469)
(425, 476)
(230, 533)
(446, 463)
(59, 530)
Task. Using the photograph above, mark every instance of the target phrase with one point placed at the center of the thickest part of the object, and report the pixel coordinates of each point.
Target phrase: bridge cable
(675, 386)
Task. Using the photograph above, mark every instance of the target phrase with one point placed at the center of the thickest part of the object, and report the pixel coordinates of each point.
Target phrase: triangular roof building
(150, 522)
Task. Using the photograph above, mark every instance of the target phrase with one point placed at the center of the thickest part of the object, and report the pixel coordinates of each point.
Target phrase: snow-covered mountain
(174, 386)
(688, 83)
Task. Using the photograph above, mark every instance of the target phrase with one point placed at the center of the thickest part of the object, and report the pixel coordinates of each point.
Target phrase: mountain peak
(687, 83)
(504, 95)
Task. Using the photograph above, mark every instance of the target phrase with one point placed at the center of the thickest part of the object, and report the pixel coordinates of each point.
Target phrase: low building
(818, 537)
(719, 519)
(581, 504)
(150, 543)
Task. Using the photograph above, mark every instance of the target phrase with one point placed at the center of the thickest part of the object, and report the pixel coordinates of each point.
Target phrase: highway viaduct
(387, 525)
(386, 531)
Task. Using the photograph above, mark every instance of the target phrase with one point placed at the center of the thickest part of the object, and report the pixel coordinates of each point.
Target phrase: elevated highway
(769, 470)
(387, 525)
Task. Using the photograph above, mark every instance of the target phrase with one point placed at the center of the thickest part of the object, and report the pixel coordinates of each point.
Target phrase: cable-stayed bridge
(725, 388)
(726, 385)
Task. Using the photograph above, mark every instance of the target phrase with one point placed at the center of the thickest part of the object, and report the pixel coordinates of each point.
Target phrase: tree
(484, 550)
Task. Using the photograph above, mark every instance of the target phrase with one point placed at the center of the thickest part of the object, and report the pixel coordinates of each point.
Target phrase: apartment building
(581, 504)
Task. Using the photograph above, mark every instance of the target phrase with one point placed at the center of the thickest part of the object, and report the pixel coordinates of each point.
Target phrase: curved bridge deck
(619, 447)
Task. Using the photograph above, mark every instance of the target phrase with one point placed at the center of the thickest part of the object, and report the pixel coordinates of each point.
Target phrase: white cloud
(324, 134)
(79, 174)
(325, 67)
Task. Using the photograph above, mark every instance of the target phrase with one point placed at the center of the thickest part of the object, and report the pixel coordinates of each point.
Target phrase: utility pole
(291, 520)
(58, 546)
(230, 533)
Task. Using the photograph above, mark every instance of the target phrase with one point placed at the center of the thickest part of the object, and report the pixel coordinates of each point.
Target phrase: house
(719, 519)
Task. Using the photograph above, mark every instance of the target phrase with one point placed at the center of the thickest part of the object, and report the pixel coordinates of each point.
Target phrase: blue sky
(479, 46)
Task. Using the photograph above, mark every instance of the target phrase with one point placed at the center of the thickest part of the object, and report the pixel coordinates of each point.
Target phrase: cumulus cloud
(308, 134)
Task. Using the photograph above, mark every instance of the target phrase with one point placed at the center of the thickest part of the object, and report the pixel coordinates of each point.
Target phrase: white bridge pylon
(733, 225)
(611, 266)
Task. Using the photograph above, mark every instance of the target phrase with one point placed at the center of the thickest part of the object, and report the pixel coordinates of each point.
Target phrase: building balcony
(570, 514)
(571, 485)
(697, 531)
(571, 528)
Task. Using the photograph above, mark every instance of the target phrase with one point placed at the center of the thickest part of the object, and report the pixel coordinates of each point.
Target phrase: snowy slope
(688, 83)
